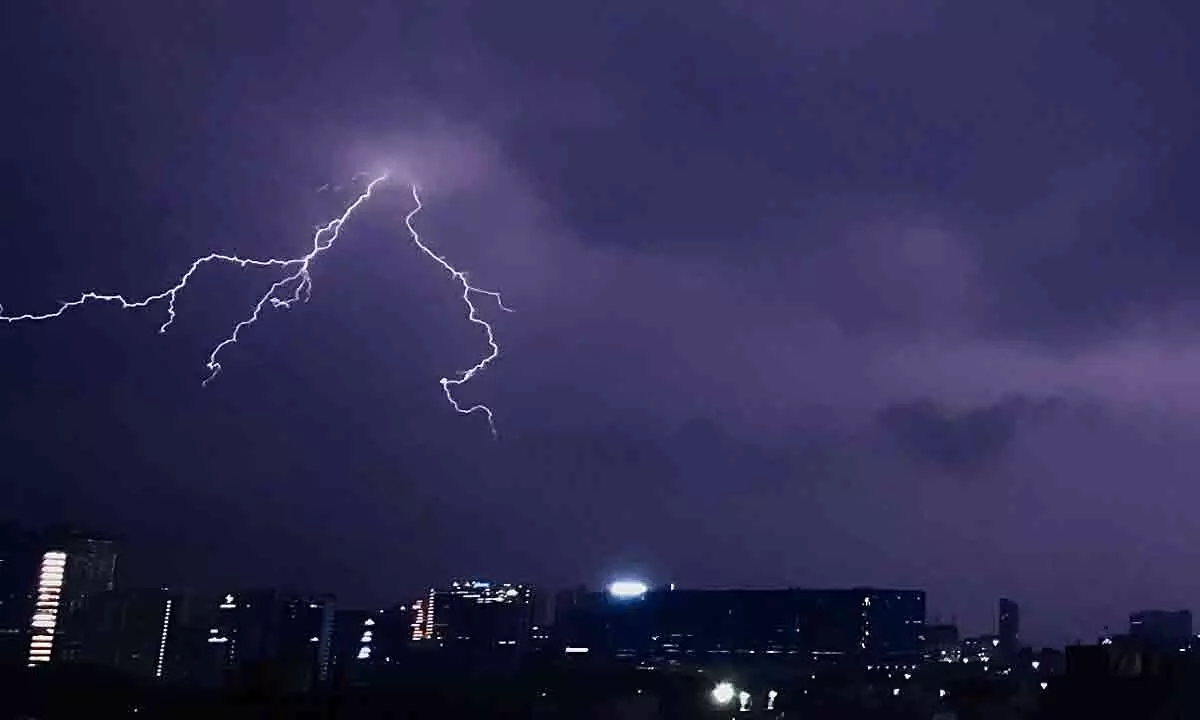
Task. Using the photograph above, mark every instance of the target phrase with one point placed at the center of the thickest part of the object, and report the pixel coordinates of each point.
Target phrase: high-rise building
(423, 617)
(476, 614)
(48, 602)
(286, 635)
(893, 623)
(1008, 628)
(89, 571)
(369, 644)
(47, 580)
(134, 631)
(356, 644)
(1162, 627)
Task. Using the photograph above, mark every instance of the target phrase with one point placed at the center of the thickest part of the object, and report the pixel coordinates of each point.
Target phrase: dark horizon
(546, 593)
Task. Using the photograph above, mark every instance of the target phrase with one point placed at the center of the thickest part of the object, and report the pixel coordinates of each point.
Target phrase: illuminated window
(45, 617)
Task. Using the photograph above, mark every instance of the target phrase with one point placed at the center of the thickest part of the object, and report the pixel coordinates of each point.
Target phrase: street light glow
(627, 588)
(723, 692)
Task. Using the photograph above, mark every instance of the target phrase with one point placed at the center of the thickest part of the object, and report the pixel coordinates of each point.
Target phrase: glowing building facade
(475, 613)
(47, 580)
(47, 604)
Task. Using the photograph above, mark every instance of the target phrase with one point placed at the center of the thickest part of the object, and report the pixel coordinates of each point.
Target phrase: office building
(47, 580)
(49, 602)
(475, 614)
(868, 624)
(372, 645)
(89, 571)
(365, 640)
(1162, 627)
(356, 636)
(288, 636)
(134, 631)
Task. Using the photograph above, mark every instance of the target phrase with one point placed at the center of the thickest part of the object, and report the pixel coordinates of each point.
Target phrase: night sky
(815, 293)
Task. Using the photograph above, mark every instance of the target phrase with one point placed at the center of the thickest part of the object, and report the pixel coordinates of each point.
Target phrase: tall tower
(43, 626)
(72, 569)
(1008, 627)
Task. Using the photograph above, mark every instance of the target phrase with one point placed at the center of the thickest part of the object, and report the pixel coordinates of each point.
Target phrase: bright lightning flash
(472, 314)
(291, 289)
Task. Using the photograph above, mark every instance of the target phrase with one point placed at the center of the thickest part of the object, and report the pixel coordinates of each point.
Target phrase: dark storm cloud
(1125, 252)
(922, 110)
(794, 116)
(962, 440)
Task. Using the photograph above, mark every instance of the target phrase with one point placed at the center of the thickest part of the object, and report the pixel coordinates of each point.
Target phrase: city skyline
(91, 558)
(65, 615)
(809, 294)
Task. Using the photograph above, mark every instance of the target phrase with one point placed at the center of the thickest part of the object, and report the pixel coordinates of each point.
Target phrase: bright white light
(1044, 685)
(895, 692)
(45, 616)
(576, 650)
(771, 695)
(941, 693)
(744, 700)
(162, 640)
(907, 676)
(723, 692)
(627, 589)
(1036, 664)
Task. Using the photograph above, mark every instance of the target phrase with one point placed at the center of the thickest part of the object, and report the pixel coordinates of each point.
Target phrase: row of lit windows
(45, 614)
(418, 625)
(423, 627)
(162, 640)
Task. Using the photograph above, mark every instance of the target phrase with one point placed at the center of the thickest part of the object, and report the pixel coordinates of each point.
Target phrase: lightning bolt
(298, 283)
(468, 289)
(297, 287)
